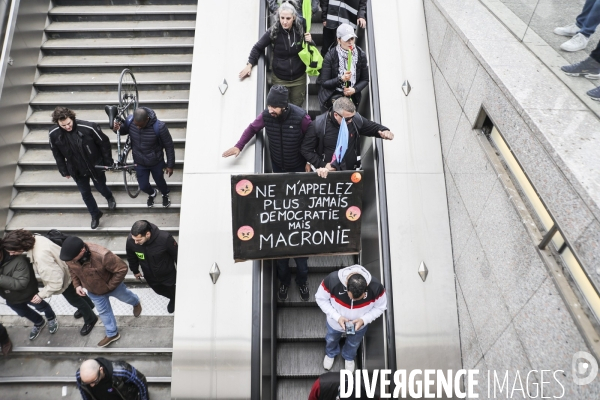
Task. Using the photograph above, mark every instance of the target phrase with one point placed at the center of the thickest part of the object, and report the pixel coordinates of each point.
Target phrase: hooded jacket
(17, 279)
(45, 257)
(77, 155)
(332, 297)
(146, 146)
(102, 273)
(157, 257)
(128, 382)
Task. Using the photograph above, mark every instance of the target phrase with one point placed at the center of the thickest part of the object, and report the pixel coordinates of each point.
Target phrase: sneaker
(53, 325)
(282, 294)
(108, 340)
(589, 68)
(150, 201)
(166, 200)
(35, 331)
(328, 362)
(577, 42)
(569, 30)
(594, 94)
(304, 293)
(349, 365)
(6, 348)
(137, 310)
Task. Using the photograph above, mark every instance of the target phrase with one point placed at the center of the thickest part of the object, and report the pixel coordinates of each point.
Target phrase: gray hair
(343, 104)
(292, 7)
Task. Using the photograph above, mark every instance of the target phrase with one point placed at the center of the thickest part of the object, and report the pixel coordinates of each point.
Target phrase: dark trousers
(329, 38)
(143, 177)
(3, 335)
(595, 54)
(83, 304)
(23, 310)
(163, 290)
(83, 184)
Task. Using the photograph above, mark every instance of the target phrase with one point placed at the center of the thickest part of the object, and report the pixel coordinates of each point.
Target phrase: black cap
(278, 96)
(71, 248)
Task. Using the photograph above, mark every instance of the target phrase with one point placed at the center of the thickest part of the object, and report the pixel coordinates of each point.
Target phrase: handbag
(310, 55)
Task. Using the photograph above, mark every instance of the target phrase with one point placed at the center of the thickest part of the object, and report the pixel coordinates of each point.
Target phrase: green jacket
(17, 280)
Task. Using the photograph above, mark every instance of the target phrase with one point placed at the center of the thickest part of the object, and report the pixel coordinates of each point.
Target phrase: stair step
(51, 178)
(40, 137)
(301, 324)
(44, 157)
(119, 43)
(124, 9)
(294, 388)
(142, 78)
(108, 97)
(167, 115)
(80, 221)
(116, 26)
(303, 359)
(118, 60)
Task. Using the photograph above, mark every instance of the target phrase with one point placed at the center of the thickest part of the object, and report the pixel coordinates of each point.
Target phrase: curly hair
(19, 240)
(290, 6)
(62, 113)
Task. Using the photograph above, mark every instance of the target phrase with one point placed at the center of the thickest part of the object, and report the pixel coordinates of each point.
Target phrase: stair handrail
(8, 21)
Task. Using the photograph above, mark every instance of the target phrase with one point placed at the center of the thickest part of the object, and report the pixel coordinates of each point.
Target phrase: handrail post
(548, 237)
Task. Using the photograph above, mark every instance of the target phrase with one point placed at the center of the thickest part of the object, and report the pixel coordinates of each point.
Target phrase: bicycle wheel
(130, 176)
(128, 92)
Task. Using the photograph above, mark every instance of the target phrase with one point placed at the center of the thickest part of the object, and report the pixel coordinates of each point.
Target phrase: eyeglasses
(94, 383)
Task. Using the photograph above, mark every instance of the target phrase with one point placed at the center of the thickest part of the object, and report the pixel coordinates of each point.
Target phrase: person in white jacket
(350, 296)
(45, 257)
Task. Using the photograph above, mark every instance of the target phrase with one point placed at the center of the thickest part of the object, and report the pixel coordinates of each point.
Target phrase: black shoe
(282, 294)
(171, 306)
(112, 203)
(87, 328)
(150, 201)
(77, 314)
(166, 200)
(304, 293)
(96, 220)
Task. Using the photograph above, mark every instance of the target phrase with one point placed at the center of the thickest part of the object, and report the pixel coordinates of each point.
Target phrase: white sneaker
(577, 42)
(349, 365)
(569, 30)
(328, 362)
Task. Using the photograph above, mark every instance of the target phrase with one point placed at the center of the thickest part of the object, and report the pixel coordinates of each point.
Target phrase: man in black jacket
(321, 138)
(78, 146)
(150, 139)
(352, 12)
(102, 379)
(156, 252)
(285, 125)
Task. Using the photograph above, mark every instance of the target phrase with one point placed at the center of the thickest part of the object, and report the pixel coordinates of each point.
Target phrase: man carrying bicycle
(78, 146)
(150, 139)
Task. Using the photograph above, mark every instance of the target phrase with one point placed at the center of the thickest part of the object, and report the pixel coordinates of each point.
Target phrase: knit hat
(71, 248)
(278, 96)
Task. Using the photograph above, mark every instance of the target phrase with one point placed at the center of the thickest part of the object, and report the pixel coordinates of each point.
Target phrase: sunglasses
(348, 119)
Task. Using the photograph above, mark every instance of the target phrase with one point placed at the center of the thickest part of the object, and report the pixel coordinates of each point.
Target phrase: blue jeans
(83, 184)
(589, 18)
(23, 310)
(104, 308)
(332, 345)
(143, 178)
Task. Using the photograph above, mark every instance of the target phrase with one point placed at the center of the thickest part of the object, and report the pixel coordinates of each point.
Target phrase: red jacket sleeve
(315, 391)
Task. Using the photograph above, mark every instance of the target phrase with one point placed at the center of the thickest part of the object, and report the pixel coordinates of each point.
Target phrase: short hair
(343, 104)
(19, 240)
(62, 113)
(357, 285)
(140, 227)
(140, 115)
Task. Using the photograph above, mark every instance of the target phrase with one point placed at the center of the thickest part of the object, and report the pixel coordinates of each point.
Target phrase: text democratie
(438, 384)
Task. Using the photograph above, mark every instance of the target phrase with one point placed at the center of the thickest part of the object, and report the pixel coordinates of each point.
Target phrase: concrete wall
(511, 314)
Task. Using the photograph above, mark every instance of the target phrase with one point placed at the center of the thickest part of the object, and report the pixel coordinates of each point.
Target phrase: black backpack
(55, 236)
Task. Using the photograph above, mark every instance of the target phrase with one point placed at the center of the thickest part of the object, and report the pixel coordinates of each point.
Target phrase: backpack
(155, 126)
(55, 236)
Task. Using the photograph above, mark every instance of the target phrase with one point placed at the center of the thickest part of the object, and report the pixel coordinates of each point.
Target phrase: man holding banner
(332, 140)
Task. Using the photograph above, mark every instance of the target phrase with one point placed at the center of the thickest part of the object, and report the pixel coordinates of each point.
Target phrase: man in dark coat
(78, 146)
(285, 125)
(352, 12)
(150, 139)
(102, 379)
(156, 252)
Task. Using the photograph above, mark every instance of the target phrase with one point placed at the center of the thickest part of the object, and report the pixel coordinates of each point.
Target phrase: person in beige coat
(54, 273)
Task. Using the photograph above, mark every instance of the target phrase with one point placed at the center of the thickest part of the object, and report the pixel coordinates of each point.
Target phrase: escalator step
(314, 280)
(303, 359)
(298, 324)
(294, 388)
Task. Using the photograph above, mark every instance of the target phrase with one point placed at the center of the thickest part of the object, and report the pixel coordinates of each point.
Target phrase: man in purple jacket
(285, 125)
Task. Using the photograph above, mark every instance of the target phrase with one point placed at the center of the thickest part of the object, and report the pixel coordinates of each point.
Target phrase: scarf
(343, 63)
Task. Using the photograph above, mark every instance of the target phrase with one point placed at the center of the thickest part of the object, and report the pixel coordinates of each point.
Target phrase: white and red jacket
(333, 298)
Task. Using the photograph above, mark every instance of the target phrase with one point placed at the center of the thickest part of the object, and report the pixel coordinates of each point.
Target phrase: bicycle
(128, 102)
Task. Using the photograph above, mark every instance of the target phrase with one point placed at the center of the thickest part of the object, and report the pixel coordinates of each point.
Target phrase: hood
(107, 365)
(151, 115)
(154, 231)
(344, 273)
